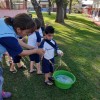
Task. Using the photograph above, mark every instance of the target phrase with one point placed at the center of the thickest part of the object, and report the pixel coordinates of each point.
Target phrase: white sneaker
(39, 72)
(32, 70)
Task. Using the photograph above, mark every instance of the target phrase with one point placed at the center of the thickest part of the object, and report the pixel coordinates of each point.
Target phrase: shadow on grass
(84, 34)
(88, 48)
(85, 21)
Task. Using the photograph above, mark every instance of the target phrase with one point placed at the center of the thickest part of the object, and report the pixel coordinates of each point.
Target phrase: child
(40, 29)
(17, 59)
(34, 40)
(49, 45)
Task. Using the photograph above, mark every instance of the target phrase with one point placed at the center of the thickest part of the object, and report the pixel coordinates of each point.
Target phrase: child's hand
(60, 53)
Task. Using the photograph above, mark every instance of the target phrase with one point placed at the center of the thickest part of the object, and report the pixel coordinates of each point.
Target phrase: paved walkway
(11, 12)
(96, 22)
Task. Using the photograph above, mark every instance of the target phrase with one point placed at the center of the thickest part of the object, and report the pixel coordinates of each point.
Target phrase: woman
(10, 30)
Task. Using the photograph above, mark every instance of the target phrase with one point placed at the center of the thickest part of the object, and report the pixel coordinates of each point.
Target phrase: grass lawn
(79, 38)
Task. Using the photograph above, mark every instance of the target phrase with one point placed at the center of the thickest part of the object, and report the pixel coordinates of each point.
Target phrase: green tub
(63, 85)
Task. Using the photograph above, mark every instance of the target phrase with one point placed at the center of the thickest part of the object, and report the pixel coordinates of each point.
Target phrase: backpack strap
(55, 46)
(51, 44)
(38, 36)
(42, 44)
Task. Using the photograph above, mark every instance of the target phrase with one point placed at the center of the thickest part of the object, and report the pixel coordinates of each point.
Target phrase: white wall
(96, 4)
(87, 2)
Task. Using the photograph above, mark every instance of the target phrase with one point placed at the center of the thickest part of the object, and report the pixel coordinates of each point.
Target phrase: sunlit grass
(79, 39)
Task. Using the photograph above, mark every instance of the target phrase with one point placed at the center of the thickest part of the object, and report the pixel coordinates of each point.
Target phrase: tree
(25, 4)
(11, 4)
(60, 11)
(70, 6)
(77, 6)
(65, 6)
(50, 6)
(37, 9)
(7, 4)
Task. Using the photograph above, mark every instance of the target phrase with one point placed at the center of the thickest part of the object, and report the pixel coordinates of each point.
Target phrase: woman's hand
(40, 51)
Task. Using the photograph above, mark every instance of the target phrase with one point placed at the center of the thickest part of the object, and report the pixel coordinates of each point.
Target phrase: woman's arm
(11, 44)
(34, 51)
(24, 44)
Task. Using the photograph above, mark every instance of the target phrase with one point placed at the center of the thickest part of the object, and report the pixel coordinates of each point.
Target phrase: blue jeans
(1, 82)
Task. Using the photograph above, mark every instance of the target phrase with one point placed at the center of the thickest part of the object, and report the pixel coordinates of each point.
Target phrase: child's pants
(17, 59)
(1, 82)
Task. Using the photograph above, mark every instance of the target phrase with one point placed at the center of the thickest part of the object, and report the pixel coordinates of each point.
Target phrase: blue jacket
(5, 31)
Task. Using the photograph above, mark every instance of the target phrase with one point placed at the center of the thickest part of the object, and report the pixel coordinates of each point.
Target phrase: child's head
(49, 32)
(38, 23)
(22, 24)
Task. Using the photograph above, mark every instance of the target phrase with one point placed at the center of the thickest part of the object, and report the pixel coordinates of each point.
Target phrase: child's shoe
(48, 83)
(13, 70)
(22, 67)
(51, 79)
(6, 94)
(32, 70)
(39, 72)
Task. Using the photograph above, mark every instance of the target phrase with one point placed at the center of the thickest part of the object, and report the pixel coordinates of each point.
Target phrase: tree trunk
(25, 4)
(70, 6)
(7, 4)
(50, 6)
(11, 4)
(60, 12)
(65, 13)
(37, 9)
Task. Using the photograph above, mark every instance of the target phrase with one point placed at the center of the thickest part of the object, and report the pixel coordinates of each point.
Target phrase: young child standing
(50, 46)
(34, 40)
(17, 59)
(40, 29)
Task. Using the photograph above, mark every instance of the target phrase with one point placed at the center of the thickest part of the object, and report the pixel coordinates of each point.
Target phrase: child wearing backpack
(50, 46)
(34, 40)
(40, 28)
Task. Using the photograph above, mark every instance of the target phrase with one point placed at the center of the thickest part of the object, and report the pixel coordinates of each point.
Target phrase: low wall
(11, 12)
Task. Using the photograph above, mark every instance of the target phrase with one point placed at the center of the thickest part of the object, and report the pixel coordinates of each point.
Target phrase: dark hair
(6, 16)
(37, 22)
(23, 21)
(49, 30)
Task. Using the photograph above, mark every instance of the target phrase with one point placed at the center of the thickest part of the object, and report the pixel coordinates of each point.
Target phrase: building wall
(96, 4)
(3, 4)
(15, 4)
(6, 10)
(87, 2)
(44, 4)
